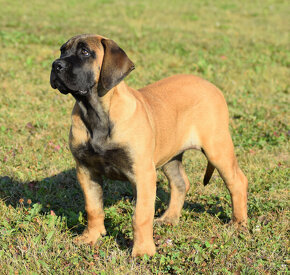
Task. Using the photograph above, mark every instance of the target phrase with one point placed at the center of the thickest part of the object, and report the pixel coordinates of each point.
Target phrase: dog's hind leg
(223, 158)
(179, 185)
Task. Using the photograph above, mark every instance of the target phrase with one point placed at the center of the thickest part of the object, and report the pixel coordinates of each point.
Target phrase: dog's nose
(58, 65)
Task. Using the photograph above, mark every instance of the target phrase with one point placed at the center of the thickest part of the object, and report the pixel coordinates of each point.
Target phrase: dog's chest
(108, 159)
(92, 145)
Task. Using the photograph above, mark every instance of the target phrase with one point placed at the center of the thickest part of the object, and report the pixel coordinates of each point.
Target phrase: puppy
(125, 134)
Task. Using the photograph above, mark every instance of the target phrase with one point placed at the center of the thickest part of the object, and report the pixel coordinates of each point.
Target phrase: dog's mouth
(57, 83)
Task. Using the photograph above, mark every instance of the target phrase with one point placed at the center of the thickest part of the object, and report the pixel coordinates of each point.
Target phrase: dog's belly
(113, 162)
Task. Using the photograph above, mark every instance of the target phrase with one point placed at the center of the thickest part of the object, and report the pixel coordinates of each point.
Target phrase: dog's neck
(96, 118)
(99, 114)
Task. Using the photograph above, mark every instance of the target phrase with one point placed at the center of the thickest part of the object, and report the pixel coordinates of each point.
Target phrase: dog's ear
(116, 66)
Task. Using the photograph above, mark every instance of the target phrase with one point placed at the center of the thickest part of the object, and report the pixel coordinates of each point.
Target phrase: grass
(241, 46)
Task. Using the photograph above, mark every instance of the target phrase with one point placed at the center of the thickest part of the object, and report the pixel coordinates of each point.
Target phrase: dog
(125, 134)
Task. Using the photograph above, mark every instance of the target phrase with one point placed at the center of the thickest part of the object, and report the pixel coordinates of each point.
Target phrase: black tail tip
(205, 182)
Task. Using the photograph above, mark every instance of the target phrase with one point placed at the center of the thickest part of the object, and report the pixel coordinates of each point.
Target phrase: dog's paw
(239, 226)
(144, 249)
(166, 219)
(89, 237)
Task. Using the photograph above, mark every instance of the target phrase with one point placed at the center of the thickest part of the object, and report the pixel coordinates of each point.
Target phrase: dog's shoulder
(76, 116)
(78, 132)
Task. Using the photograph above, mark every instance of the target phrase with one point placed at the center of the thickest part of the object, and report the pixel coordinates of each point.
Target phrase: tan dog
(126, 134)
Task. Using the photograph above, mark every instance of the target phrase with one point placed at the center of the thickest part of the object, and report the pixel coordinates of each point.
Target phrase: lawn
(240, 46)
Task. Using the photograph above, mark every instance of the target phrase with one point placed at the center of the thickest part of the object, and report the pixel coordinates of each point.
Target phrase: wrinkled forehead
(93, 42)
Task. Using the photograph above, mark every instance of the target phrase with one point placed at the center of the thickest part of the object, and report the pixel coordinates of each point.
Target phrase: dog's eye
(84, 52)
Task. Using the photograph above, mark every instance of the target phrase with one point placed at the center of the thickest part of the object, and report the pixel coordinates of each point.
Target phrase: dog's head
(89, 62)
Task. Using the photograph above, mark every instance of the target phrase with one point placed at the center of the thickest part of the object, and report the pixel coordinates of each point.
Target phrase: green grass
(241, 46)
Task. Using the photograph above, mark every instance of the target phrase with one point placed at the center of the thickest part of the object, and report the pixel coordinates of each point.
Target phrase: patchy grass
(242, 47)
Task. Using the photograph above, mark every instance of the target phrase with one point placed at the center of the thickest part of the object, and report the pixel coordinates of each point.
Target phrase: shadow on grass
(62, 194)
(59, 193)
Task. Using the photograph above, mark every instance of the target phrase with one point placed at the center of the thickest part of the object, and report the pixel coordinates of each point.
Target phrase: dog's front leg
(91, 184)
(145, 181)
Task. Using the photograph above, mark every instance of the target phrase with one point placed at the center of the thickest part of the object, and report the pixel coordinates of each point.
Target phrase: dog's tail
(208, 173)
